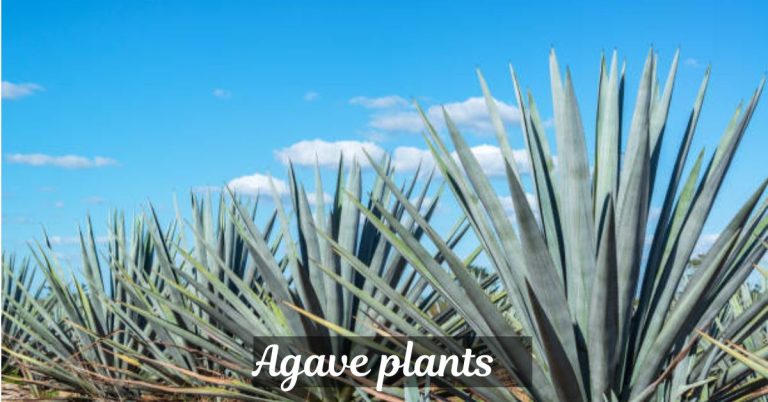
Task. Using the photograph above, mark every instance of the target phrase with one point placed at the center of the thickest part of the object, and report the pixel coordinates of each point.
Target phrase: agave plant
(612, 312)
(606, 322)
(175, 311)
(263, 285)
(83, 336)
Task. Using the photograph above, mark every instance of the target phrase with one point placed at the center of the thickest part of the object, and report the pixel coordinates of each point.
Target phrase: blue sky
(152, 98)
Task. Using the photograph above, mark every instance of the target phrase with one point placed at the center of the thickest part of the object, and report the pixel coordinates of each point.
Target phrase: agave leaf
(299, 274)
(603, 318)
(667, 229)
(552, 313)
(308, 240)
(633, 201)
(566, 382)
(348, 233)
(498, 125)
(542, 168)
(608, 136)
(576, 215)
(659, 113)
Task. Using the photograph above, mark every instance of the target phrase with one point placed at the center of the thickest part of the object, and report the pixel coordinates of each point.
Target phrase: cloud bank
(16, 91)
(326, 153)
(394, 114)
(65, 161)
(404, 159)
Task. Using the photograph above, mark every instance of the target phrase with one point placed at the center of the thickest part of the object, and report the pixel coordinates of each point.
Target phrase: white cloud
(311, 96)
(258, 184)
(222, 93)
(15, 91)
(59, 204)
(325, 153)
(65, 161)
(469, 115)
(404, 159)
(408, 122)
(384, 102)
